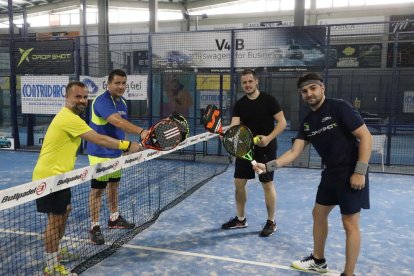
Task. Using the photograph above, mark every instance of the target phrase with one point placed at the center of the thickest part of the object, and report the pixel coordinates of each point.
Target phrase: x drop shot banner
(44, 57)
(43, 94)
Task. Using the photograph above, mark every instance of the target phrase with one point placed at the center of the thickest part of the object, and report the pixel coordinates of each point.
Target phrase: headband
(304, 83)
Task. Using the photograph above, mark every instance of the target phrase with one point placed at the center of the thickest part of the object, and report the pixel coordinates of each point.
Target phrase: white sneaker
(309, 264)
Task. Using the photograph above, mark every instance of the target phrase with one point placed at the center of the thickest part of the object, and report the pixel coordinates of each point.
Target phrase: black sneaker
(343, 274)
(120, 223)
(235, 223)
(309, 264)
(96, 235)
(269, 228)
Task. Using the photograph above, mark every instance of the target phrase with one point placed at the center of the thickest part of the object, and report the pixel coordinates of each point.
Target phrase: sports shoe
(235, 223)
(309, 264)
(120, 223)
(96, 235)
(343, 274)
(64, 256)
(269, 228)
(58, 270)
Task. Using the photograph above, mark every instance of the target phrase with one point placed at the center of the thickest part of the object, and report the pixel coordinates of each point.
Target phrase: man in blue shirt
(343, 141)
(109, 117)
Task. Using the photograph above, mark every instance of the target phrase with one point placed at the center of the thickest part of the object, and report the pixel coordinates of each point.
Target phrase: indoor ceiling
(39, 6)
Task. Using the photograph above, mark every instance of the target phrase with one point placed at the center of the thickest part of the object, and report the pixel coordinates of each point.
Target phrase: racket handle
(254, 163)
(256, 140)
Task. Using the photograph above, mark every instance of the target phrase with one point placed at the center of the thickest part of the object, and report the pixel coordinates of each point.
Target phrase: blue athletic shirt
(329, 129)
(103, 106)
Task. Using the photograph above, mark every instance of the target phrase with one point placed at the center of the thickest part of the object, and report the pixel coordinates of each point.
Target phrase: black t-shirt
(329, 130)
(257, 114)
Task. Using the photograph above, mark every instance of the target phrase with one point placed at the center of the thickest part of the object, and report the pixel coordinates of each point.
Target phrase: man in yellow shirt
(57, 156)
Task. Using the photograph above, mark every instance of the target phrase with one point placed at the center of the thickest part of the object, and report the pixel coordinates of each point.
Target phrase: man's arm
(279, 128)
(109, 142)
(364, 154)
(288, 157)
(117, 121)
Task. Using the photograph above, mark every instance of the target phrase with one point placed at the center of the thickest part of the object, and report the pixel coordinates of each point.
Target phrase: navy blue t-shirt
(329, 129)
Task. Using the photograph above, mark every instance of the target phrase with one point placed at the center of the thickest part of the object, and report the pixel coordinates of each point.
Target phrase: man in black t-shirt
(258, 111)
(343, 141)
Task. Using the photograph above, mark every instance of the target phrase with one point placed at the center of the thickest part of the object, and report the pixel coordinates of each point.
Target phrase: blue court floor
(187, 239)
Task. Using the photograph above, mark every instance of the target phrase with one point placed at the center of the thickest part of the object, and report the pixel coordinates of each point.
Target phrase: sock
(240, 218)
(51, 259)
(114, 216)
(94, 224)
(318, 261)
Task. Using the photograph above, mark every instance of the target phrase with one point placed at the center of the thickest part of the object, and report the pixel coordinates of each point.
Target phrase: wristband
(271, 166)
(124, 145)
(361, 168)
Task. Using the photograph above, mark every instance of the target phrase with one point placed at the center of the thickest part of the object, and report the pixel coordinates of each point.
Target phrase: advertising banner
(278, 49)
(43, 94)
(405, 54)
(136, 86)
(408, 102)
(357, 55)
(44, 57)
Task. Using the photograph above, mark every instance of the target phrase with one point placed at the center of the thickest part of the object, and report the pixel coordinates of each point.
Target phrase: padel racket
(182, 125)
(239, 141)
(212, 121)
(164, 135)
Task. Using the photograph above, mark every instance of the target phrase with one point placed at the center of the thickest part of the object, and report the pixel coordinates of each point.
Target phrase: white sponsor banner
(408, 106)
(352, 28)
(43, 94)
(136, 86)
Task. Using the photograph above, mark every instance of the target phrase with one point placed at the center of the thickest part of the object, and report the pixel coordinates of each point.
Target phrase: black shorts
(244, 170)
(335, 189)
(55, 203)
(96, 184)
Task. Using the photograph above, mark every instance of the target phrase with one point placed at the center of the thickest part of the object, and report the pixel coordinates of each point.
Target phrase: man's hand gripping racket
(237, 140)
(164, 135)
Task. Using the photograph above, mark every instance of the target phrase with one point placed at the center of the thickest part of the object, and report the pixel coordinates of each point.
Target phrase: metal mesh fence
(368, 64)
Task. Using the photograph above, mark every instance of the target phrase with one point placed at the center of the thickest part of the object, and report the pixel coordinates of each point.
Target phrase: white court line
(234, 260)
(329, 273)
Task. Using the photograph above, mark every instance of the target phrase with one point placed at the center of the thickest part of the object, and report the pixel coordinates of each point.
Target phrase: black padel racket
(212, 119)
(164, 135)
(182, 125)
(239, 141)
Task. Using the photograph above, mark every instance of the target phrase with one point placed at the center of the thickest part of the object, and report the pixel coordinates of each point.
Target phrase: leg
(353, 241)
(270, 199)
(320, 229)
(54, 231)
(240, 196)
(95, 203)
(112, 190)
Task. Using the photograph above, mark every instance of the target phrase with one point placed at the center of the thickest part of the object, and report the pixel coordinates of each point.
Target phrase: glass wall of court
(370, 65)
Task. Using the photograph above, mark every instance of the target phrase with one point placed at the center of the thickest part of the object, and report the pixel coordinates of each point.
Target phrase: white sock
(241, 218)
(114, 216)
(94, 224)
(51, 259)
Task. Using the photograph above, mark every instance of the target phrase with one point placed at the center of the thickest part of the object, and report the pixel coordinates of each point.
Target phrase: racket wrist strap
(361, 168)
(142, 130)
(124, 145)
(272, 166)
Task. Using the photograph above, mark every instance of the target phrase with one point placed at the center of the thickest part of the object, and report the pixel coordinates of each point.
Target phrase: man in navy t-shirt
(339, 135)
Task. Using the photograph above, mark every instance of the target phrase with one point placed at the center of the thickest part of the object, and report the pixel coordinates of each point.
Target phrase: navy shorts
(55, 203)
(244, 168)
(335, 189)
